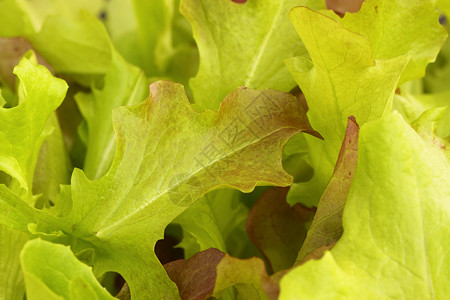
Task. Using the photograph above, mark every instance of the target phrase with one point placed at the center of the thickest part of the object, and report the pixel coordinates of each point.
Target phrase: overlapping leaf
(161, 169)
(396, 224)
(21, 127)
(253, 38)
(340, 79)
(217, 220)
(59, 275)
(326, 227)
(383, 24)
(209, 273)
(123, 85)
(12, 285)
(277, 228)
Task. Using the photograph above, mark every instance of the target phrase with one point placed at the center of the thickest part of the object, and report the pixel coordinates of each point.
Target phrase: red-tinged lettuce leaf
(396, 224)
(341, 7)
(210, 272)
(253, 38)
(277, 228)
(167, 157)
(326, 227)
(12, 49)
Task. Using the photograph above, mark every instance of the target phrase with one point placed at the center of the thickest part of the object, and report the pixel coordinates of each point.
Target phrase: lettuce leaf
(392, 246)
(123, 85)
(107, 213)
(22, 127)
(12, 285)
(326, 227)
(253, 38)
(209, 273)
(338, 81)
(58, 276)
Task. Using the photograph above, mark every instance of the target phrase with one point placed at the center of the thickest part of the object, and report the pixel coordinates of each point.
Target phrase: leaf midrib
(165, 191)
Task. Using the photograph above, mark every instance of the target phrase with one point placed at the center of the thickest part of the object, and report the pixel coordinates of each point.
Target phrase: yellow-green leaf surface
(201, 223)
(123, 85)
(53, 166)
(154, 33)
(21, 127)
(253, 38)
(396, 224)
(399, 27)
(412, 106)
(2, 100)
(167, 156)
(51, 271)
(341, 78)
(12, 286)
(74, 45)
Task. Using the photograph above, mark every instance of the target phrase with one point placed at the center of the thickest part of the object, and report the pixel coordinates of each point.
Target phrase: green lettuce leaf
(221, 213)
(412, 106)
(383, 23)
(160, 170)
(253, 38)
(22, 127)
(2, 100)
(123, 85)
(338, 81)
(435, 80)
(12, 286)
(396, 224)
(74, 45)
(173, 179)
(154, 34)
(13, 20)
(51, 271)
(53, 166)
(142, 32)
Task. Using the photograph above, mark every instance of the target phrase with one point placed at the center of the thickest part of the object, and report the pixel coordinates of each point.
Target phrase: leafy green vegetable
(223, 215)
(338, 81)
(22, 127)
(11, 279)
(99, 187)
(106, 212)
(253, 38)
(215, 271)
(123, 84)
(59, 276)
(392, 246)
(326, 227)
(376, 16)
